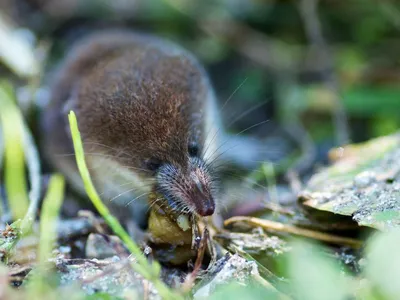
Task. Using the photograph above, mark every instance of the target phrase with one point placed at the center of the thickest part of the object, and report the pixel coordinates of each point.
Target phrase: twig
(188, 284)
(308, 12)
(279, 209)
(280, 227)
(148, 271)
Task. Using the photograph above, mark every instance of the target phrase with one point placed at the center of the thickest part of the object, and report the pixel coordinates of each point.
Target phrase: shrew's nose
(203, 201)
(206, 208)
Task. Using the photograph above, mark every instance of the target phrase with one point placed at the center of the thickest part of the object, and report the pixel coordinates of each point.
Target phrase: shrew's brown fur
(138, 99)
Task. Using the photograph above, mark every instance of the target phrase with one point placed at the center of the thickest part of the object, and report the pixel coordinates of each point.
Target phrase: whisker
(147, 193)
(210, 142)
(233, 93)
(105, 156)
(221, 154)
(119, 151)
(255, 125)
(222, 108)
(246, 112)
(100, 144)
(118, 186)
(128, 183)
(136, 168)
(86, 153)
(249, 181)
(130, 190)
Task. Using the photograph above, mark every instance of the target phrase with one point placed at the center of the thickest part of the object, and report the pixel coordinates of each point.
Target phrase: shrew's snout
(200, 195)
(205, 207)
(188, 192)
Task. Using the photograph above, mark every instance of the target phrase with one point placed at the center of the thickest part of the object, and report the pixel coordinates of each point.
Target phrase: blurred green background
(323, 72)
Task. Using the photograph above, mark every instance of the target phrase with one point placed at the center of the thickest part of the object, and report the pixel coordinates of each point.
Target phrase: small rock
(235, 269)
(98, 247)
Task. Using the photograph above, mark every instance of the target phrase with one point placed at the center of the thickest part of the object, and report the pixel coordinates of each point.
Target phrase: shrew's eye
(193, 149)
(153, 164)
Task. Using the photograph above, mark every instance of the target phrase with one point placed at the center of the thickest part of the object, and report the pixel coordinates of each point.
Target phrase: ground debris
(71, 228)
(253, 243)
(227, 269)
(112, 276)
(364, 182)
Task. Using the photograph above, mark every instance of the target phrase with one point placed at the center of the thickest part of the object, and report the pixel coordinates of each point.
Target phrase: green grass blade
(13, 136)
(38, 285)
(49, 215)
(92, 193)
(2, 208)
(33, 165)
(17, 142)
(148, 271)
